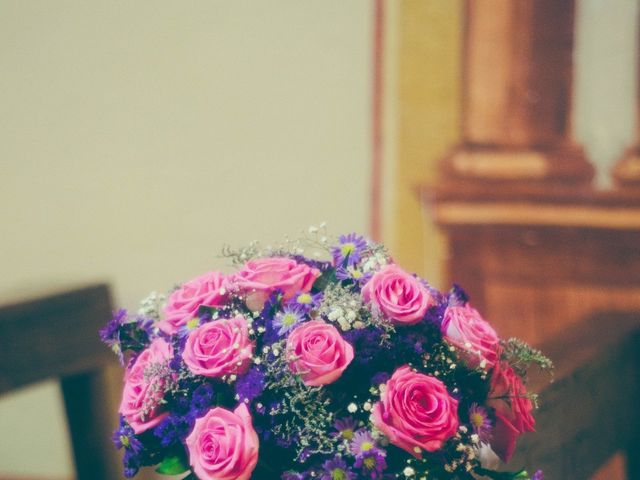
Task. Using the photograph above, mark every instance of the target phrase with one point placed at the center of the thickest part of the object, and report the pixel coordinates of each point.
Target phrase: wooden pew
(591, 410)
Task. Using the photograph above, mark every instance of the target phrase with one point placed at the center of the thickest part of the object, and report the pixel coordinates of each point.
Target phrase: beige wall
(605, 105)
(137, 138)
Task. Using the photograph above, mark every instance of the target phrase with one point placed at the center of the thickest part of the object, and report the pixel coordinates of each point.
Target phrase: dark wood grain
(56, 337)
(53, 336)
(590, 410)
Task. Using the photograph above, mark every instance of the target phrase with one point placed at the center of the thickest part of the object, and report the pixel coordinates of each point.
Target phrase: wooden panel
(532, 281)
(53, 336)
(589, 412)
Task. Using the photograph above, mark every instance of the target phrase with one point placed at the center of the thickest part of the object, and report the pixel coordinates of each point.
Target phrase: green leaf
(522, 474)
(172, 466)
(327, 277)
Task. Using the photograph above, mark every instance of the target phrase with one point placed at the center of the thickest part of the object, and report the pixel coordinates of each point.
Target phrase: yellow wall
(137, 138)
(427, 90)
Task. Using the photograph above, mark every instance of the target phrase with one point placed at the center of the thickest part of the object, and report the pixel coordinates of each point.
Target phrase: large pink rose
(260, 278)
(218, 348)
(463, 327)
(182, 305)
(398, 295)
(223, 445)
(141, 397)
(318, 353)
(415, 412)
(513, 410)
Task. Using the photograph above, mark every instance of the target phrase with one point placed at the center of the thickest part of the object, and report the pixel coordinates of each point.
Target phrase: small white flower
(352, 408)
(408, 472)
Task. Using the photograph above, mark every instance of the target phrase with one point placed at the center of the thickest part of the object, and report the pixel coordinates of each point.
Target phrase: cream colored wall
(137, 138)
(606, 83)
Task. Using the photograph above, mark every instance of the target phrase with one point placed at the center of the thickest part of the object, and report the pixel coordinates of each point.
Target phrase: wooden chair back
(57, 337)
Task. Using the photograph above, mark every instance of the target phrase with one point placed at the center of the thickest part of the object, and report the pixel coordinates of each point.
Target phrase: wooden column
(517, 95)
(535, 244)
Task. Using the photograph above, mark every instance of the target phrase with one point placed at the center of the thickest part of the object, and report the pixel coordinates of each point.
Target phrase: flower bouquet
(318, 359)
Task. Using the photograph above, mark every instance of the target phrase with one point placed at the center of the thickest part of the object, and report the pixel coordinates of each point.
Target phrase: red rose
(513, 410)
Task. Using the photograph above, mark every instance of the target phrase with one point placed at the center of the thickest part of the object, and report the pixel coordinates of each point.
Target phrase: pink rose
(223, 445)
(318, 353)
(464, 328)
(398, 295)
(260, 278)
(182, 305)
(415, 412)
(513, 410)
(140, 404)
(218, 348)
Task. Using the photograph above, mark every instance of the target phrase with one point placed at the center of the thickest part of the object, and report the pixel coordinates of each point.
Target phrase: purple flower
(372, 463)
(349, 249)
(352, 273)
(336, 469)
(250, 385)
(345, 427)
(379, 378)
(124, 437)
(306, 301)
(131, 463)
(292, 476)
(457, 296)
(122, 334)
(539, 475)
(288, 319)
(174, 429)
(362, 442)
(480, 422)
(110, 334)
(202, 398)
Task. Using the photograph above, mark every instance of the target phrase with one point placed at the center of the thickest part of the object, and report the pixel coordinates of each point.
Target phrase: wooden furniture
(589, 412)
(57, 337)
(535, 261)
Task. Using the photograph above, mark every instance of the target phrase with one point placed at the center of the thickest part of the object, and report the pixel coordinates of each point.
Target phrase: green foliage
(521, 356)
(522, 474)
(173, 465)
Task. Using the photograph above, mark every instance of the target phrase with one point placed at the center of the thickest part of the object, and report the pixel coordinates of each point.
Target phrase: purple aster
(372, 463)
(250, 385)
(352, 273)
(480, 422)
(110, 334)
(125, 437)
(539, 475)
(362, 442)
(345, 427)
(349, 249)
(190, 326)
(306, 301)
(336, 469)
(288, 319)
